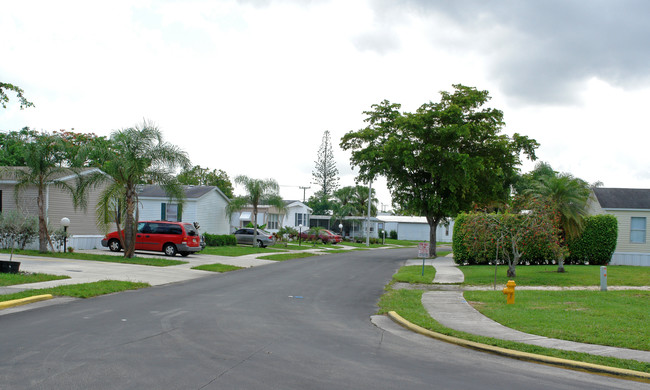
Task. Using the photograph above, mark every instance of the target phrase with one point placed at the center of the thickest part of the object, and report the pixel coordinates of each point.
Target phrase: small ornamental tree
(511, 232)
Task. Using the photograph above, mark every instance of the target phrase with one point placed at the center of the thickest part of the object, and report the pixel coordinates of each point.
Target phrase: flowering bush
(515, 236)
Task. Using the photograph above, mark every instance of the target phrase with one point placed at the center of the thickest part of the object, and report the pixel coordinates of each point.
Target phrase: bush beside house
(597, 243)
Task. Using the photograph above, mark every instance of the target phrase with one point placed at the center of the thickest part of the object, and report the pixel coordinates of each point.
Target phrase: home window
(637, 230)
(170, 212)
(302, 219)
(273, 221)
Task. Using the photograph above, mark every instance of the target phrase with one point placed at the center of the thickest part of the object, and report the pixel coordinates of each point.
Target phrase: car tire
(170, 250)
(260, 244)
(185, 254)
(114, 245)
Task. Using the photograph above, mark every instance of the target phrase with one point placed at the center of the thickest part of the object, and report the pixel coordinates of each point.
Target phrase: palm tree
(43, 164)
(569, 196)
(135, 156)
(258, 192)
(361, 200)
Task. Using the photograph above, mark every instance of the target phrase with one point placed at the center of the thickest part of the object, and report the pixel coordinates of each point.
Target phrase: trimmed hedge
(393, 234)
(535, 249)
(597, 243)
(220, 240)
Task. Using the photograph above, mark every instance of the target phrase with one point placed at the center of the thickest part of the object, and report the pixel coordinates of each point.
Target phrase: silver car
(245, 236)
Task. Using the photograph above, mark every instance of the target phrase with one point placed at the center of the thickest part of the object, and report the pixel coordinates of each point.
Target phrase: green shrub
(469, 249)
(17, 229)
(393, 234)
(219, 240)
(597, 243)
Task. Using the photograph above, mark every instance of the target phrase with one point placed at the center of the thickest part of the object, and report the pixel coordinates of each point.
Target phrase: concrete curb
(531, 357)
(24, 301)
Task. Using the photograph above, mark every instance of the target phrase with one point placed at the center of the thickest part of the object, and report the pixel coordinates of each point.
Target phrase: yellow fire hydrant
(509, 290)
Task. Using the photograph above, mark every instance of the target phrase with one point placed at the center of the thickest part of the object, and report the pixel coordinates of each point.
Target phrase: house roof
(7, 174)
(191, 192)
(623, 198)
(402, 219)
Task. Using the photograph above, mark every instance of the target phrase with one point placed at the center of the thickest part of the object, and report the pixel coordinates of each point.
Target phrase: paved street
(298, 324)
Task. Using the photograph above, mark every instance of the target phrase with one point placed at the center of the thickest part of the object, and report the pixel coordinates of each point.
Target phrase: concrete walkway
(447, 271)
(452, 310)
(84, 271)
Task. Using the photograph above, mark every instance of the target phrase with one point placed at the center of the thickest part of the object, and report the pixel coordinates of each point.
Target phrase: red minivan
(160, 236)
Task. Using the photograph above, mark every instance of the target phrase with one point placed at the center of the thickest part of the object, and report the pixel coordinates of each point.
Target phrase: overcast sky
(250, 86)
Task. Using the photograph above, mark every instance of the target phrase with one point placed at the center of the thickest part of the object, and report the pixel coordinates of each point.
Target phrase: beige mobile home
(631, 207)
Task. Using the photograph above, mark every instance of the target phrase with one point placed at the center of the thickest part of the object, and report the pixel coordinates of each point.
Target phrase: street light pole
(65, 222)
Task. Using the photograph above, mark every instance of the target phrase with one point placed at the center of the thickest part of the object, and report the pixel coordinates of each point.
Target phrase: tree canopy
(4, 87)
(199, 176)
(325, 176)
(442, 159)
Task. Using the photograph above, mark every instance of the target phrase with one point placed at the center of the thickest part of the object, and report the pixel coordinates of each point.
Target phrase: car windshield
(263, 232)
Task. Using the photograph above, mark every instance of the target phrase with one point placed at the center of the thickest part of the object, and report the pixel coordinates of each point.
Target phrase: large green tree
(199, 176)
(135, 156)
(442, 159)
(325, 176)
(258, 192)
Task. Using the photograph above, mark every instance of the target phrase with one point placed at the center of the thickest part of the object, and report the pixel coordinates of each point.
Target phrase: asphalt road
(300, 324)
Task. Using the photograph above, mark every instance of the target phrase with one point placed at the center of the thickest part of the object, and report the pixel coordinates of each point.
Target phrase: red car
(327, 236)
(160, 236)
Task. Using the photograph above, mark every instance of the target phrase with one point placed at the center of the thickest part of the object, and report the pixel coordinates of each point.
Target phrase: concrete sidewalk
(452, 310)
(85, 271)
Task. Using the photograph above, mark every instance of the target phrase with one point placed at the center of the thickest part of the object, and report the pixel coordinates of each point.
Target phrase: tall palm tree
(569, 196)
(258, 192)
(135, 156)
(361, 201)
(43, 164)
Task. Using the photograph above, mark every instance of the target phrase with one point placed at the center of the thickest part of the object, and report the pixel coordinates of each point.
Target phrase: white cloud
(250, 86)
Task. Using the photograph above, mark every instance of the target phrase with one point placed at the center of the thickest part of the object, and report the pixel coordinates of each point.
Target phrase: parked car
(160, 236)
(245, 236)
(326, 236)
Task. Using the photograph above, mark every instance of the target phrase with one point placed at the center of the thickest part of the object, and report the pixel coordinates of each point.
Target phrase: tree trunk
(433, 228)
(560, 263)
(129, 231)
(42, 224)
(512, 273)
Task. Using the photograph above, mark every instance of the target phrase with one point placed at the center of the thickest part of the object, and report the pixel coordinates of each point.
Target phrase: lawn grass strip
(24, 301)
(558, 362)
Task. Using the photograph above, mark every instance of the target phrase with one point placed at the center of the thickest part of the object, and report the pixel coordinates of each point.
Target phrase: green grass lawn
(83, 290)
(156, 262)
(616, 318)
(547, 275)
(408, 304)
(234, 251)
(217, 267)
(287, 256)
(413, 274)
(24, 277)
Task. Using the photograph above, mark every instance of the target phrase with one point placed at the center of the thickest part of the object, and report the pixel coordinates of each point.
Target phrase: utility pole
(304, 191)
(368, 219)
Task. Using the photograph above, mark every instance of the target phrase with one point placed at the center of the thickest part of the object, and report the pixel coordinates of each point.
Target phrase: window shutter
(179, 217)
(163, 211)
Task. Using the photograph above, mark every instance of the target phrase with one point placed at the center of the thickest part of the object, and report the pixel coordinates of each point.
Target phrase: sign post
(423, 252)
